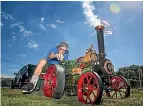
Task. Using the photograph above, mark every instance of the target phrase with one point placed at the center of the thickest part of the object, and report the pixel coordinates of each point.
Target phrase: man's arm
(52, 56)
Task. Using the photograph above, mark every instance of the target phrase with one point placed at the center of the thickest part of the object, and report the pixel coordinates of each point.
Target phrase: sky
(30, 29)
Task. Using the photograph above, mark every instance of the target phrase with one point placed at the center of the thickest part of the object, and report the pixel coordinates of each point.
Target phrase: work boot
(28, 88)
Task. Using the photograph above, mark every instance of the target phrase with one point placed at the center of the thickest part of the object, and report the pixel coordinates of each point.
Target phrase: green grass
(13, 97)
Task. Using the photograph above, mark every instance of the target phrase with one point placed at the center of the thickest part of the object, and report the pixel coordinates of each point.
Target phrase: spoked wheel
(119, 88)
(89, 88)
(50, 81)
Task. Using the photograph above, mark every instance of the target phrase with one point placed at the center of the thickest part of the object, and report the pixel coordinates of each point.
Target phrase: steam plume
(91, 18)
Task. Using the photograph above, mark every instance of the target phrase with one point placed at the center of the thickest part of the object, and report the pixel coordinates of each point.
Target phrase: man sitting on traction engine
(55, 55)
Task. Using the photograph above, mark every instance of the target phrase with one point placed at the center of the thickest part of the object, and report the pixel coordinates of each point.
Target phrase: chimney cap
(99, 27)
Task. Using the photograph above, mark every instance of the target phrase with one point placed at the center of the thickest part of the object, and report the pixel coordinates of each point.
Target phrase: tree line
(131, 72)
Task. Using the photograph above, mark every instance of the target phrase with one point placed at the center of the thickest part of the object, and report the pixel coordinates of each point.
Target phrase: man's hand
(60, 56)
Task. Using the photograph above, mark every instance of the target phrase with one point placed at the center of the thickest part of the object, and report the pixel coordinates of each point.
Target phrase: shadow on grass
(68, 101)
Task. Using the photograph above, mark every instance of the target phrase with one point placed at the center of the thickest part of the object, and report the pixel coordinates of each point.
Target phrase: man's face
(62, 50)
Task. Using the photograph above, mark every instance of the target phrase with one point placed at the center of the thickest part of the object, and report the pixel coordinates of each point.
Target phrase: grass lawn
(13, 97)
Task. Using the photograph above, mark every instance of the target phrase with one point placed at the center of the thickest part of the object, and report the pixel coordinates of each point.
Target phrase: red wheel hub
(119, 87)
(88, 88)
(50, 81)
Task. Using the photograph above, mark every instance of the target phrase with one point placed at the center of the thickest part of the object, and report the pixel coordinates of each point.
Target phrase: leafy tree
(130, 72)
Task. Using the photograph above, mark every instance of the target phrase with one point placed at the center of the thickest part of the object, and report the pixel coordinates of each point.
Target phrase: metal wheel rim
(119, 88)
(90, 89)
(50, 81)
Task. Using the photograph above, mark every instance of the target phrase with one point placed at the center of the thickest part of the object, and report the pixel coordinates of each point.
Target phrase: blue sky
(30, 29)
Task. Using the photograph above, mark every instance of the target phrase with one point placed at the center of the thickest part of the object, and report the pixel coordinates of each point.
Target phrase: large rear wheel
(50, 81)
(54, 82)
(60, 72)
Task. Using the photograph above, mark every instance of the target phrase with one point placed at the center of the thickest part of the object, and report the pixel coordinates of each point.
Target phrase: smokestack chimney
(100, 38)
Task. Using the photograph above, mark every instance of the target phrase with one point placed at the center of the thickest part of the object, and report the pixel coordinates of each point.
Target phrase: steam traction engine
(93, 74)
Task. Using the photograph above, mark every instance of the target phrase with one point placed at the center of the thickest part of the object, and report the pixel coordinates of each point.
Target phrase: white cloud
(42, 19)
(18, 24)
(22, 55)
(24, 31)
(85, 22)
(52, 25)
(14, 38)
(13, 33)
(42, 27)
(27, 33)
(21, 29)
(13, 65)
(14, 25)
(9, 45)
(1, 24)
(59, 21)
(7, 16)
(32, 44)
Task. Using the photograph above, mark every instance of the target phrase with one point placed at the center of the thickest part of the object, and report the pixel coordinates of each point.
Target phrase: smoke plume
(91, 18)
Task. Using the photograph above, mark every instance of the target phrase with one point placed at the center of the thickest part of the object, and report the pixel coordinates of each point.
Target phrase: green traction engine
(86, 77)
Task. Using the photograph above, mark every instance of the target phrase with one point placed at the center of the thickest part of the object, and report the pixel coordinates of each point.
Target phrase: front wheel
(89, 88)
